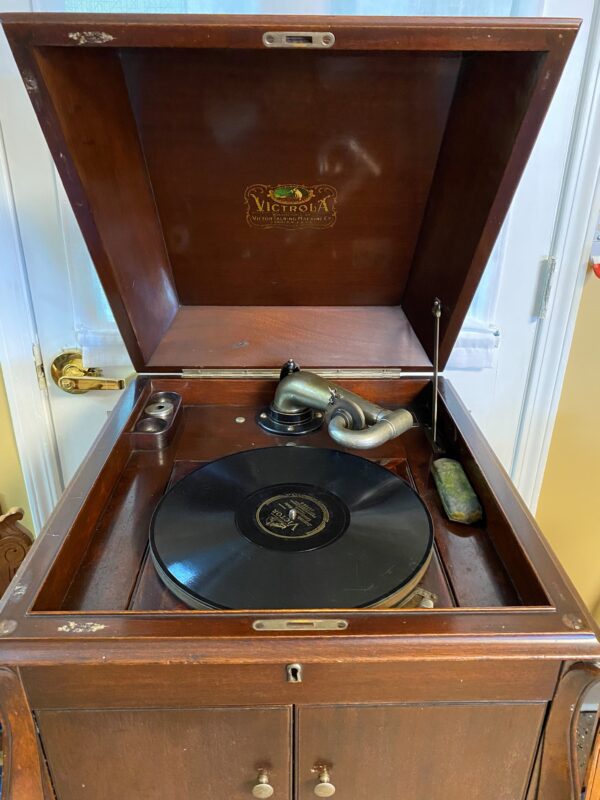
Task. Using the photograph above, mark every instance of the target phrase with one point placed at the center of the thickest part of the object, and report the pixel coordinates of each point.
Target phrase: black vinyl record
(290, 527)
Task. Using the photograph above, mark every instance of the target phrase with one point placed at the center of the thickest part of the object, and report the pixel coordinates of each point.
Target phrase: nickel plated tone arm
(303, 398)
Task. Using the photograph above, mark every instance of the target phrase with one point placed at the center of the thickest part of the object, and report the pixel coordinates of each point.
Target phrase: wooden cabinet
(188, 754)
(158, 127)
(392, 752)
(411, 752)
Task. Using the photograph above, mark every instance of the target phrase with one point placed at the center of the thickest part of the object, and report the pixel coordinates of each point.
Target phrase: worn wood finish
(500, 102)
(442, 752)
(212, 636)
(208, 752)
(187, 683)
(559, 775)
(493, 484)
(201, 112)
(24, 774)
(135, 695)
(542, 630)
(465, 550)
(466, 570)
(87, 118)
(317, 336)
(239, 31)
(106, 574)
(475, 93)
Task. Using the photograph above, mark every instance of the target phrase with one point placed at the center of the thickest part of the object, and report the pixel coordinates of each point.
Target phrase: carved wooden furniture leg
(25, 776)
(15, 541)
(559, 776)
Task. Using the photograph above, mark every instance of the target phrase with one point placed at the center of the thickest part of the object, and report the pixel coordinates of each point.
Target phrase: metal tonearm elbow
(303, 400)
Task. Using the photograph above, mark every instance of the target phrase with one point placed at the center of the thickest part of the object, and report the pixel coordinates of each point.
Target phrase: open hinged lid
(248, 195)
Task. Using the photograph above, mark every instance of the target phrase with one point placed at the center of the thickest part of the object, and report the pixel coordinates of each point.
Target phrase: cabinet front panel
(159, 754)
(438, 752)
(334, 683)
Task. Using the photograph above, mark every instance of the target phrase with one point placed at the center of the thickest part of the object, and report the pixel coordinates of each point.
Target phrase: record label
(292, 516)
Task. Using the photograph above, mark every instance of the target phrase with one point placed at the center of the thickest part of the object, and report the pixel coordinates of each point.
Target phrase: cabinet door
(154, 754)
(441, 752)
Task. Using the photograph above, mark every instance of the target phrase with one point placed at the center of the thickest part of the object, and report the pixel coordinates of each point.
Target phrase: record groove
(290, 527)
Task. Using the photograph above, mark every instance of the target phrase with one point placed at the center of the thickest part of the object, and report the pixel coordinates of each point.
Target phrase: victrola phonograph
(291, 565)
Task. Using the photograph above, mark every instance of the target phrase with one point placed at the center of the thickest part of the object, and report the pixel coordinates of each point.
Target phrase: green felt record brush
(456, 493)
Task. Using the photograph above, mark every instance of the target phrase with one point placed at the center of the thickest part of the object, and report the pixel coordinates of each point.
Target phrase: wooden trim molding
(570, 245)
(28, 400)
(25, 776)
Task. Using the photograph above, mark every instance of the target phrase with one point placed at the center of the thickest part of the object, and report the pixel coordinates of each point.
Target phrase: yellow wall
(569, 505)
(12, 486)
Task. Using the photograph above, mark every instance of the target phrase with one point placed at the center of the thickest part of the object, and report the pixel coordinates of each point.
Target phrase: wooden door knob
(323, 787)
(263, 788)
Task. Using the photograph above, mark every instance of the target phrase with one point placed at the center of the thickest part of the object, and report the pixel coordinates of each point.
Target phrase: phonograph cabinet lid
(257, 187)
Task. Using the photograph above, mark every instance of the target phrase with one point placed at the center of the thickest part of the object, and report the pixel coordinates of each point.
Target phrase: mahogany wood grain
(520, 568)
(73, 521)
(240, 31)
(478, 576)
(188, 682)
(211, 431)
(218, 114)
(150, 592)
(315, 336)
(527, 630)
(441, 752)
(24, 775)
(491, 481)
(107, 574)
(184, 754)
(200, 637)
(142, 136)
(90, 126)
(259, 391)
(559, 775)
(535, 773)
(493, 95)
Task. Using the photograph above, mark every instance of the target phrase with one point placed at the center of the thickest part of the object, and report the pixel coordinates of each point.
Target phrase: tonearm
(303, 399)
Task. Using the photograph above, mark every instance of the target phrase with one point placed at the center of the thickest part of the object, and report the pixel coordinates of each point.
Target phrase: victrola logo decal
(290, 205)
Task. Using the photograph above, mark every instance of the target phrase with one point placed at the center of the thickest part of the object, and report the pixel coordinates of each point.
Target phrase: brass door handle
(263, 788)
(69, 374)
(323, 786)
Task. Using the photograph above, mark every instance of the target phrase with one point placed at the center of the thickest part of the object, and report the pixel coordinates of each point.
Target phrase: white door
(68, 308)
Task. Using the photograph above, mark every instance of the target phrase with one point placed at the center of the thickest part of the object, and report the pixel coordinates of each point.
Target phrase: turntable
(251, 587)
(291, 528)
